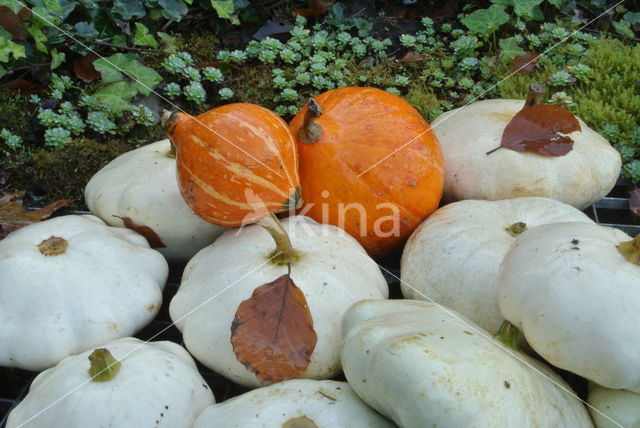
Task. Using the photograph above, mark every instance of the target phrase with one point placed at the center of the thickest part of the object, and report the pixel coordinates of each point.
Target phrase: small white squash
(466, 134)
(575, 297)
(140, 384)
(614, 407)
(298, 403)
(333, 272)
(70, 284)
(141, 187)
(454, 256)
(423, 366)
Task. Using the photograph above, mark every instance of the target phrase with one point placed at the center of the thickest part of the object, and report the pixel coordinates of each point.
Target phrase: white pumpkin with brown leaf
(72, 283)
(243, 315)
(470, 134)
(139, 190)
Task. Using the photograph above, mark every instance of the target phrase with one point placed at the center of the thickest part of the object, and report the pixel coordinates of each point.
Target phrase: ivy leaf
(145, 78)
(117, 96)
(143, 38)
(633, 18)
(536, 129)
(224, 8)
(509, 49)
(563, 5)
(526, 8)
(86, 30)
(128, 9)
(486, 21)
(38, 36)
(173, 10)
(272, 334)
(11, 4)
(7, 48)
(57, 58)
(53, 6)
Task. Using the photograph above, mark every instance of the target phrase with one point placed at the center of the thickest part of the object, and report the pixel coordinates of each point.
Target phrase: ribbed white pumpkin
(422, 366)
(158, 385)
(325, 403)
(454, 256)
(333, 272)
(466, 134)
(141, 185)
(620, 407)
(576, 298)
(106, 284)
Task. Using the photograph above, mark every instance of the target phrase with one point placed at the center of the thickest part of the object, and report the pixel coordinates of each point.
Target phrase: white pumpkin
(454, 256)
(141, 186)
(613, 408)
(576, 298)
(156, 384)
(466, 134)
(294, 403)
(72, 283)
(333, 272)
(424, 366)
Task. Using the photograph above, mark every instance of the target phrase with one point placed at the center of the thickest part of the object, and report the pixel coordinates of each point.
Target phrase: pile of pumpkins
(506, 280)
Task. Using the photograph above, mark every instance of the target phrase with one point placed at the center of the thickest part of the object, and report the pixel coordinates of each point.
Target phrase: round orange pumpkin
(369, 163)
(235, 163)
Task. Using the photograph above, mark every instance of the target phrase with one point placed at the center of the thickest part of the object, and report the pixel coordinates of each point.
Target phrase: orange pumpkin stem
(536, 90)
(310, 132)
(284, 254)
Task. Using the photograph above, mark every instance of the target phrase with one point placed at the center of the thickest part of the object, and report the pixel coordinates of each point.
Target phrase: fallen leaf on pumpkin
(634, 201)
(525, 63)
(83, 67)
(13, 216)
(411, 56)
(272, 333)
(536, 129)
(315, 9)
(152, 237)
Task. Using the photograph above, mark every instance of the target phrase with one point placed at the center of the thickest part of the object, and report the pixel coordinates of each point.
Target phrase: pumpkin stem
(310, 132)
(516, 229)
(53, 246)
(508, 335)
(104, 366)
(536, 90)
(284, 253)
(631, 250)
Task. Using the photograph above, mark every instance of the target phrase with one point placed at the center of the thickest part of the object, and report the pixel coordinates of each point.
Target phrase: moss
(64, 173)
(202, 46)
(423, 100)
(14, 112)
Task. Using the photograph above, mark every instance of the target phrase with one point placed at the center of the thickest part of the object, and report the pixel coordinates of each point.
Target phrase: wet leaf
(525, 63)
(152, 237)
(13, 216)
(273, 27)
(83, 68)
(536, 129)
(411, 56)
(315, 9)
(634, 201)
(272, 333)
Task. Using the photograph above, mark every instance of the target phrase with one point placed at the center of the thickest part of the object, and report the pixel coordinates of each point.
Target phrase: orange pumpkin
(370, 164)
(235, 163)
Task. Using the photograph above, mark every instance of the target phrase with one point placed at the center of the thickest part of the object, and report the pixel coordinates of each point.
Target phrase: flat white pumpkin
(422, 366)
(620, 407)
(576, 298)
(579, 178)
(454, 256)
(333, 272)
(141, 185)
(325, 403)
(106, 283)
(158, 385)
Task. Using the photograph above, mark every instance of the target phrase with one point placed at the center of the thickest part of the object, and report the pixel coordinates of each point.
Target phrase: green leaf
(174, 10)
(128, 9)
(143, 38)
(3, 71)
(623, 28)
(7, 48)
(11, 4)
(52, 5)
(503, 2)
(563, 5)
(168, 42)
(86, 30)
(486, 21)
(112, 69)
(224, 8)
(525, 8)
(41, 17)
(510, 49)
(4, 34)
(632, 18)
(117, 96)
(57, 58)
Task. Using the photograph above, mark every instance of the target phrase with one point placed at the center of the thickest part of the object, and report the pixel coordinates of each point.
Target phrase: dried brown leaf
(411, 56)
(634, 201)
(152, 237)
(315, 9)
(13, 216)
(13, 23)
(525, 63)
(83, 68)
(536, 129)
(272, 333)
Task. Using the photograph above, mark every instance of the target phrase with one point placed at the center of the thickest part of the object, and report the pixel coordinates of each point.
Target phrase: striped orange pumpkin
(235, 163)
